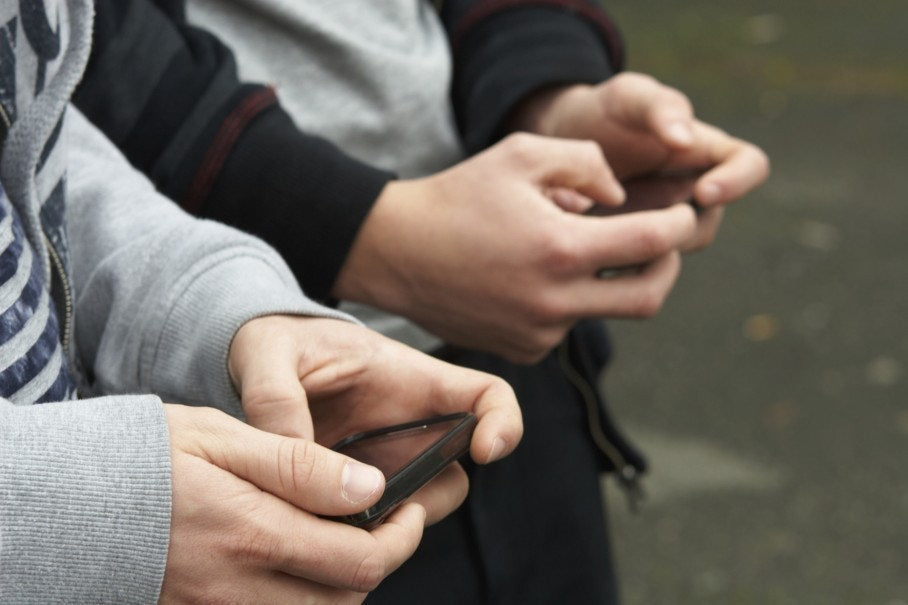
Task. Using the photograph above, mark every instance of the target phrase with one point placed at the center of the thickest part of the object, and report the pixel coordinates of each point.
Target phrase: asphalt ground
(771, 394)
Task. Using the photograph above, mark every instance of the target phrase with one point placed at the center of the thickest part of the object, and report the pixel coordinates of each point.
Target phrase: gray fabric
(158, 293)
(372, 77)
(84, 501)
(85, 485)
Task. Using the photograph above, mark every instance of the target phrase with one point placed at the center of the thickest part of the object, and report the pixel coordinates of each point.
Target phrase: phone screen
(409, 455)
(392, 451)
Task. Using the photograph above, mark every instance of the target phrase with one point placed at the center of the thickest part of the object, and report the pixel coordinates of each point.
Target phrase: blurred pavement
(771, 394)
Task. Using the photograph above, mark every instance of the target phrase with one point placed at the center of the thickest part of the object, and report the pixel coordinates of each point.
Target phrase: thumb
(307, 475)
(263, 367)
(668, 113)
(643, 103)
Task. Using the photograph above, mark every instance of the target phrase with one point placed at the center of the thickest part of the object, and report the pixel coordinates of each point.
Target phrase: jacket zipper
(57, 264)
(627, 474)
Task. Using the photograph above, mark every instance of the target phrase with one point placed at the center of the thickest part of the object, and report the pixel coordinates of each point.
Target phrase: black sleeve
(506, 49)
(168, 95)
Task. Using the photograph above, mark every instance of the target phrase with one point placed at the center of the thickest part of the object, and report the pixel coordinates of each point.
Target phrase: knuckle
(546, 309)
(648, 301)
(298, 466)
(202, 419)
(263, 394)
(589, 155)
(651, 299)
(521, 146)
(653, 241)
(762, 160)
(679, 98)
(559, 251)
(756, 160)
(499, 385)
(256, 544)
(650, 304)
(369, 572)
(633, 79)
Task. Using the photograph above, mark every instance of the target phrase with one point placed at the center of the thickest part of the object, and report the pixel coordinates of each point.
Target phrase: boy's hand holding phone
(249, 502)
(328, 379)
(409, 455)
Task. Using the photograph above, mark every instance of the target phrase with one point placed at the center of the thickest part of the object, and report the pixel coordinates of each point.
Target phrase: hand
(352, 379)
(479, 254)
(645, 128)
(243, 523)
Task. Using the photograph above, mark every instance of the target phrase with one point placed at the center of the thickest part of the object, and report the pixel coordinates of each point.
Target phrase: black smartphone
(409, 455)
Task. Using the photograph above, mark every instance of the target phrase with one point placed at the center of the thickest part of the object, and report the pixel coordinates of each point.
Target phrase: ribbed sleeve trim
(84, 501)
(502, 56)
(594, 14)
(234, 285)
(222, 144)
(298, 192)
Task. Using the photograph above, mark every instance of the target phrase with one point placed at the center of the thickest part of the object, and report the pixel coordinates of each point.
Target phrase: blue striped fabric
(33, 365)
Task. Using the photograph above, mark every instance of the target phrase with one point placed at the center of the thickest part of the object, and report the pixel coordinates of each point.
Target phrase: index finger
(734, 167)
(744, 170)
(264, 369)
(492, 400)
(629, 239)
(643, 102)
(343, 556)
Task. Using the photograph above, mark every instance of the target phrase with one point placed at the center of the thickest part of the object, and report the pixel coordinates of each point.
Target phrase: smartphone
(409, 455)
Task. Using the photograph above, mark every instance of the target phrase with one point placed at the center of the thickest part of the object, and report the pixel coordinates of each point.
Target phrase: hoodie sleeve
(84, 501)
(158, 293)
(85, 486)
(506, 49)
(168, 95)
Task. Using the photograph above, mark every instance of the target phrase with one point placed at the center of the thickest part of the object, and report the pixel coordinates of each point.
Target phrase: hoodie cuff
(504, 56)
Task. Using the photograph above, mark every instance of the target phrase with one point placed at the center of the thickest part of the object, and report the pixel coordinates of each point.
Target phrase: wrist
(372, 273)
(538, 112)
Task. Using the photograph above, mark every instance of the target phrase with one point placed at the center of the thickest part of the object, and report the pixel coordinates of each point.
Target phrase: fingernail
(497, 449)
(359, 481)
(679, 133)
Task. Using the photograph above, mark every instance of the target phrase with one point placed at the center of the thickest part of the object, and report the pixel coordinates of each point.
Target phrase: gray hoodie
(147, 300)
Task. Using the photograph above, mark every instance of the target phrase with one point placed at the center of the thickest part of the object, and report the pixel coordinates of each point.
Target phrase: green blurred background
(771, 394)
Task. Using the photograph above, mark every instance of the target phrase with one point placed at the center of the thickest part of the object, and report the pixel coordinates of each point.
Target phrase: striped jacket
(104, 284)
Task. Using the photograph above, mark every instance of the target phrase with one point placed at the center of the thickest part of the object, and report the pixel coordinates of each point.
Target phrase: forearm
(221, 148)
(85, 501)
(505, 51)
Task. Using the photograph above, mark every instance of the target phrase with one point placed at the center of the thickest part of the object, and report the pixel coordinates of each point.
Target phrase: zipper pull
(629, 480)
